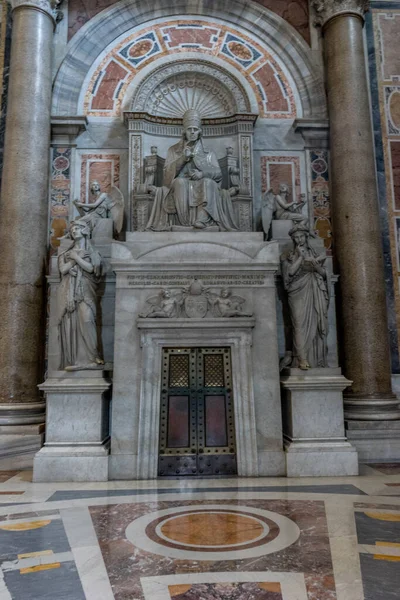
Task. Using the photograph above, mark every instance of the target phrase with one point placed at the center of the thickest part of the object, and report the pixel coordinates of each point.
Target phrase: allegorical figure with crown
(191, 195)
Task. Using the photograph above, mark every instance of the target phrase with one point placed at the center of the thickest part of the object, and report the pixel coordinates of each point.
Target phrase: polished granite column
(23, 226)
(356, 224)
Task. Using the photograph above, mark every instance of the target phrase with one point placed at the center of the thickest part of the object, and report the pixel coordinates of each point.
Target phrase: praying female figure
(80, 270)
(307, 283)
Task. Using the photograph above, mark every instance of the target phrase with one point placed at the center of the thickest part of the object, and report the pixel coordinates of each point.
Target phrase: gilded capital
(47, 6)
(327, 9)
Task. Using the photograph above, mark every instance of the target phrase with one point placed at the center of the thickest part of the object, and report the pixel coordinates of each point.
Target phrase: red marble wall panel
(294, 12)
(280, 173)
(190, 35)
(395, 160)
(104, 98)
(275, 101)
(103, 168)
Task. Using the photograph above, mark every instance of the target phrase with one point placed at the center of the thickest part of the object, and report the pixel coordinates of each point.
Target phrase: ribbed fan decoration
(191, 90)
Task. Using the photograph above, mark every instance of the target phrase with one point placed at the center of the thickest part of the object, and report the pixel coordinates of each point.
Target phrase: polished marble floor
(205, 539)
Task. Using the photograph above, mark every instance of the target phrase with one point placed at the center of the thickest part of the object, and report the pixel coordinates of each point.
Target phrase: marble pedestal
(146, 264)
(77, 428)
(313, 424)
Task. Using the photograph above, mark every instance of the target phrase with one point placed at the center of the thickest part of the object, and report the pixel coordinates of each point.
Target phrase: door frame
(233, 333)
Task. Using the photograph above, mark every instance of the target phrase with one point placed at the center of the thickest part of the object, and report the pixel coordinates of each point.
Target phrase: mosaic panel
(104, 168)
(117, 69)
(190, 35)
(140, 49)
(242, 52)
(107, 86)
(60, 194)
(319, 164)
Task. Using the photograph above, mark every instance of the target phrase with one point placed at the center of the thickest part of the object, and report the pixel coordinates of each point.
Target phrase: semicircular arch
(289, 66)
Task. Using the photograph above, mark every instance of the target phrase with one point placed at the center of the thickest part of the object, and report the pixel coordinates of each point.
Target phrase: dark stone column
(356, 224)
(23, 220)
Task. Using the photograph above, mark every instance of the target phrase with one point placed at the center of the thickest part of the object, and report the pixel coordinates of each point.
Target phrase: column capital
(50, 7)
(327, 9)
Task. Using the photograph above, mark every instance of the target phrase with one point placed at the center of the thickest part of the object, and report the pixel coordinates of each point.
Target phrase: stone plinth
(77, 429)
(313, 424)
(146, 264)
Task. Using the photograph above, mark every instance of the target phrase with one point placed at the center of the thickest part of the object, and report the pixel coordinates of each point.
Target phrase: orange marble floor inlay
(212, 529)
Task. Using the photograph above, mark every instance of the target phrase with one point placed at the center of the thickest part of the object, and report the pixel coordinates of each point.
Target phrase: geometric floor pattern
(209, 539)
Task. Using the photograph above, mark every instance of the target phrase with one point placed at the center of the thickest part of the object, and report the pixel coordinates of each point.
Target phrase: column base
(21, 434)
(313, 424)
(376, 441)
(18, 445)
(371, 408)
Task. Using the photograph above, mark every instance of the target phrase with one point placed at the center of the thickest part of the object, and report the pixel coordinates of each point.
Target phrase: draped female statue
(80, 269)
(191, 195)
(307, 283)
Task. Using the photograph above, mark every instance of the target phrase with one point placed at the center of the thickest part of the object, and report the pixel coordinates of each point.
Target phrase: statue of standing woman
(80, 268)
(307, 283)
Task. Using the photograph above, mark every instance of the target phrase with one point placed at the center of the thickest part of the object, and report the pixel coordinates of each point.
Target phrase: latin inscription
(179, 280)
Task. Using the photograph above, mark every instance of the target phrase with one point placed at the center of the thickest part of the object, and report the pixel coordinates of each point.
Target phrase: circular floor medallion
(212, 532)
(211, 529)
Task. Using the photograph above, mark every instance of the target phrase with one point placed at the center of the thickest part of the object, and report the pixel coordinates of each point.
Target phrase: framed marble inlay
(292, 561)
(116, 68)
(382, 31)
(320, 196)
(60, 195)
(104, 168)
(281, 169)
(235, 586)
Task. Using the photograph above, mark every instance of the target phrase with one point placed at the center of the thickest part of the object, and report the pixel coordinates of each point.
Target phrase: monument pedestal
(160, 269)
(77, 428)
(313, 424)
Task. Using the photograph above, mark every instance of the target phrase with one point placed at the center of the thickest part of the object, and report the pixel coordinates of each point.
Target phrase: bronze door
(197, 432)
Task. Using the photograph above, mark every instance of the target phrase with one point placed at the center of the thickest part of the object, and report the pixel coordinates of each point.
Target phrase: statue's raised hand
(188, 154)
(196, 175)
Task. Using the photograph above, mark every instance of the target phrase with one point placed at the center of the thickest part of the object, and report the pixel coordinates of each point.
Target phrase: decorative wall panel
(115, 69)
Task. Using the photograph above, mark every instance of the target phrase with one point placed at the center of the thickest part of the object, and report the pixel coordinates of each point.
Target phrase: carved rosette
(47, 6)
(325, 10)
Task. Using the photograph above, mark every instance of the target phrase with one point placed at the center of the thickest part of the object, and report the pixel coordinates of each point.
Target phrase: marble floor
(204, 539)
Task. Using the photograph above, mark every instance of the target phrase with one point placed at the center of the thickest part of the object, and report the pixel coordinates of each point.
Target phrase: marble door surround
(149, 263)
(237, 335)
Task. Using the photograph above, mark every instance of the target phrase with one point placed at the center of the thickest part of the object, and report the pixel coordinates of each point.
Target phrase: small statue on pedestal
(80, 267)
(307, 283)
(104, 206)
(277, 206)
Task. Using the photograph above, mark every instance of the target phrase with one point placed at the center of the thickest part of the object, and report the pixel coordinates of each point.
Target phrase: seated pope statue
(191, 195)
